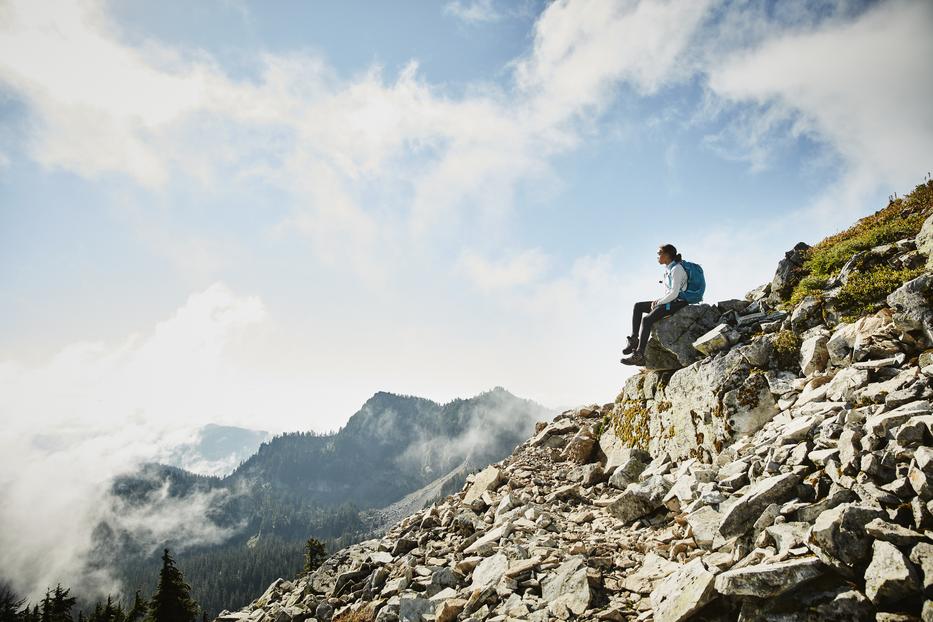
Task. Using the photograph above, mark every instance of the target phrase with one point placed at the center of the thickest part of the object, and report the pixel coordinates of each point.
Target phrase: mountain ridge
(337, 486)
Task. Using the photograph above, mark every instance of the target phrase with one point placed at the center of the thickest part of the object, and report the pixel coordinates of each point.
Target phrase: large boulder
(567, 586)
(670, 345)
(890, 578)
(640, 499)
(785, 277)
(702, 407)
(839, 539)
(912, 303)
(683, 593)
(925, 241)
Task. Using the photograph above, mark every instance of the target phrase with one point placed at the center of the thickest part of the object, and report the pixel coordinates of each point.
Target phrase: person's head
(668, 253)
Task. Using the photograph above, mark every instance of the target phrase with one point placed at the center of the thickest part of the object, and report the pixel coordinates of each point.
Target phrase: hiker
(646, 313)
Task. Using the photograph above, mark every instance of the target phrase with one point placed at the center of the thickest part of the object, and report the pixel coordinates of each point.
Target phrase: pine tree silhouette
(10, 604)
(138, 610)
(172, 600)
(315, 554)
(61, 604)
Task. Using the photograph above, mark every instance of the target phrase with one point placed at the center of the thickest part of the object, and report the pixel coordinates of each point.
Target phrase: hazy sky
(262, 213)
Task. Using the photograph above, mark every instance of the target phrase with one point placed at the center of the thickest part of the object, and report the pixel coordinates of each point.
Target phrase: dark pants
(641, 326)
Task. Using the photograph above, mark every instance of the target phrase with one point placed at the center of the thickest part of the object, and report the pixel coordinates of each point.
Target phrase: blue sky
(425, 197)
(256, 214)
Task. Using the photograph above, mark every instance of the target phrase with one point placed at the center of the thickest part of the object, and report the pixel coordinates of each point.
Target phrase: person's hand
(654, 303)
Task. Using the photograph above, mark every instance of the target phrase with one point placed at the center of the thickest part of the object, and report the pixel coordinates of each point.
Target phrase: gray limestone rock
(717, 338)
(913, 311)
(704, 523)
(683, 593)
(488, 572)
(785, 277)
(922, 556)
(640, 499)
(807, 314)
(890, 577)
(411, 608)
(567, 585)
(618, 453)
(838, 536)
(924, 241)
(768, 580)
(741, 515)
(813, 354)
(670, 345)
(487, 479)
(844, 384)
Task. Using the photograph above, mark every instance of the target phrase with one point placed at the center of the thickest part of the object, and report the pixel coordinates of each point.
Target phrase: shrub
(787, 349)
(902, 218)
(810, 285)
(864, 292)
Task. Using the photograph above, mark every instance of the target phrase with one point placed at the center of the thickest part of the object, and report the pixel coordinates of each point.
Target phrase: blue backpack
(696, 283)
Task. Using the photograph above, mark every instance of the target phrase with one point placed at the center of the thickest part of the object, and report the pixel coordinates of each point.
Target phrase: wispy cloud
(852, 84)
(155, 113)
(520, 269)
(474, 10)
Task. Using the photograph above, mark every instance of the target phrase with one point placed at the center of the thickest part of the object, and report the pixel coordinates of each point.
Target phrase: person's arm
(678, 278)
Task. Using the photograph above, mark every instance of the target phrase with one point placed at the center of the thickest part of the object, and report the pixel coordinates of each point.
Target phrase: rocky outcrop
(785, 473)
(785, 275)
(670, 345)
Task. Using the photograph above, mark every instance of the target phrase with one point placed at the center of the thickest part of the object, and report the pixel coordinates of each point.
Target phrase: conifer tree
(10, 604)
(315, 554)
(61, 605)
(138, 611)
(46, 608)
(172, 600)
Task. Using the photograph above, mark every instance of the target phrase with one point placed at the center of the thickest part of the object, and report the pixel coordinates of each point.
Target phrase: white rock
(768, 579)
(567, 586)
(489, 571)
(683, 593)
(845, 383)
(487, 479)
(813, 354)
(889, 578)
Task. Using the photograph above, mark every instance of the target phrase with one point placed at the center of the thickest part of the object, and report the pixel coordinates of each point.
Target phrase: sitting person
(646, 313)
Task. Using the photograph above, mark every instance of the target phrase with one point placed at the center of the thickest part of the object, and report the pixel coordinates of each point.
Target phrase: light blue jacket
(675, 280)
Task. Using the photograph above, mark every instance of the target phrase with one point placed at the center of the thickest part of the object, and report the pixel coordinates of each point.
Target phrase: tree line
(171, 601)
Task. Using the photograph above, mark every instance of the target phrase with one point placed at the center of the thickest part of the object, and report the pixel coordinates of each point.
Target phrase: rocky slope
(777, 464)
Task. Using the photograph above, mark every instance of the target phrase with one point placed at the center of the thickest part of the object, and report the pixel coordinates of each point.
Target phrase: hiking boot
(638, 358)
(632, 345)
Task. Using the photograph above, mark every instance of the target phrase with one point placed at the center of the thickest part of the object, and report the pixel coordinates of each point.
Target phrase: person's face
(663, 258)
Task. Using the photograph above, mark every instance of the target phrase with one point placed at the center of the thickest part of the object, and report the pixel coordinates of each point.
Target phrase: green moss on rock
(786, 349)
(630, 421)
